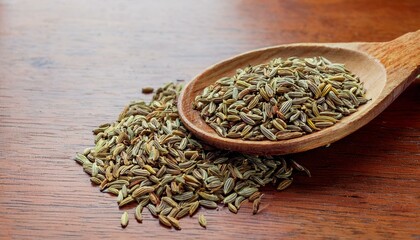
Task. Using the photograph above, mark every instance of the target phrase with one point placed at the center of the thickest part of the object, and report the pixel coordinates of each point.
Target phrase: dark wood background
(68, 66)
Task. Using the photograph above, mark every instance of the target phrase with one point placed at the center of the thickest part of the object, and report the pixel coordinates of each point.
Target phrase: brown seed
(299, 167)
(288, 135)
(254, 196)
(147, 90)
(256, 204)
(284, 184)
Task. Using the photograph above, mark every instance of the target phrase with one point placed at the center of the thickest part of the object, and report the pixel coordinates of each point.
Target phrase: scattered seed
(124, 219)
(202, 221)
(147, 90)
(284, 184)
(256, 204)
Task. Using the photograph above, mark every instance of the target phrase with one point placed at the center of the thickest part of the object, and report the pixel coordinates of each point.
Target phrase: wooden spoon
(385, 68)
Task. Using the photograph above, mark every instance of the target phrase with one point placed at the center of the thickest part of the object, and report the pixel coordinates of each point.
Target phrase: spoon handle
(401, 59)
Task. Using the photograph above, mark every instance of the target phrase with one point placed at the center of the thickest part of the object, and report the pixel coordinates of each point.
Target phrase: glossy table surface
(68, 66)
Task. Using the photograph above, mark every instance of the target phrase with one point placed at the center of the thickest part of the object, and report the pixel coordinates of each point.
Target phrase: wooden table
(68, 66)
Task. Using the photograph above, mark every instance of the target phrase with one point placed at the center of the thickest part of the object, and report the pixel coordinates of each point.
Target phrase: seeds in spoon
(292, 91)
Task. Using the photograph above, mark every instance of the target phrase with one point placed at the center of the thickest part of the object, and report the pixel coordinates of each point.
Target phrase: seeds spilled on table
(282, 99)
(147, 157)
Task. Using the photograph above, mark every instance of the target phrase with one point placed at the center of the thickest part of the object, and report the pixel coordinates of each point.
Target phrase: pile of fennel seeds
(282, 99)
(147, 157)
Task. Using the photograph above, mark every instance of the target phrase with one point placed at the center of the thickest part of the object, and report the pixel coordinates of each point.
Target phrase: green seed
(229, 185)
(247, 191)
(230, 198)
(208, 204)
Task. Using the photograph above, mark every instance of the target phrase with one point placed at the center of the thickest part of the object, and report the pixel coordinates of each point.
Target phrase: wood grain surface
(68, 66)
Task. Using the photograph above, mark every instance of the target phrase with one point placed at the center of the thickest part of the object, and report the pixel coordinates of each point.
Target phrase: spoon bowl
(385, 69)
